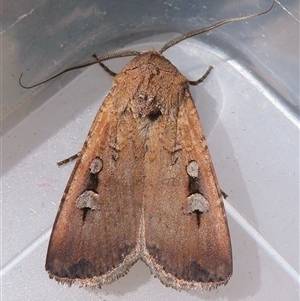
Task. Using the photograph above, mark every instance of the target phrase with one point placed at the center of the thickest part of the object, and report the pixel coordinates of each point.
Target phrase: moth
(144, 186)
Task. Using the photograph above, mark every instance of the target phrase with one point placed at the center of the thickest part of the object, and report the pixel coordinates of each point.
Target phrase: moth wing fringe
(108, 278)
(170, 280)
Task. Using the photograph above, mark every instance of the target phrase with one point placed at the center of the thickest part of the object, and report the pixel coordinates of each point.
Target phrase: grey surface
(248, 107)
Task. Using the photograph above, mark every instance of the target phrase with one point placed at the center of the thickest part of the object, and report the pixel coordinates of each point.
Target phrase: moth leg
(65, 161)
(202, 78)
(224, 194)
(104, 66)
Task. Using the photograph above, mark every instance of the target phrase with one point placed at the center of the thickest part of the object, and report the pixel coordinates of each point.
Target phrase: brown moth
(144, 186)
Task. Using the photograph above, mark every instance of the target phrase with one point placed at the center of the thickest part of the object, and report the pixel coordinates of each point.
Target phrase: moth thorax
(146, 104)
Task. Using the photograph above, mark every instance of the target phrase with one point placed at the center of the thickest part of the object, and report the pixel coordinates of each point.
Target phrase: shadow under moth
(144, 186)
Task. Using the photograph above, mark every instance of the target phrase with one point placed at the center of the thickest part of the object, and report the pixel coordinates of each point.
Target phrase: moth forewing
(186, 233)
(95, 242)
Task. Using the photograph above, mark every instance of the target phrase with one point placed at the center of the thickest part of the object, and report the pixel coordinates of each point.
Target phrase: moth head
(156, 86)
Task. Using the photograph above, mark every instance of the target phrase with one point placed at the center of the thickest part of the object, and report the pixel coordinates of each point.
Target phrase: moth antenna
(106, 69)
(202, 78)
(198, 31)
(95, 60)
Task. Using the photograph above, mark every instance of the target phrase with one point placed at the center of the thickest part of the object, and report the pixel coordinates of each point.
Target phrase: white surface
(253, 140)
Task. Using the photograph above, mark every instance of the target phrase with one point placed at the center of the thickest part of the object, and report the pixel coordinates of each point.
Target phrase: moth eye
(96, 165)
